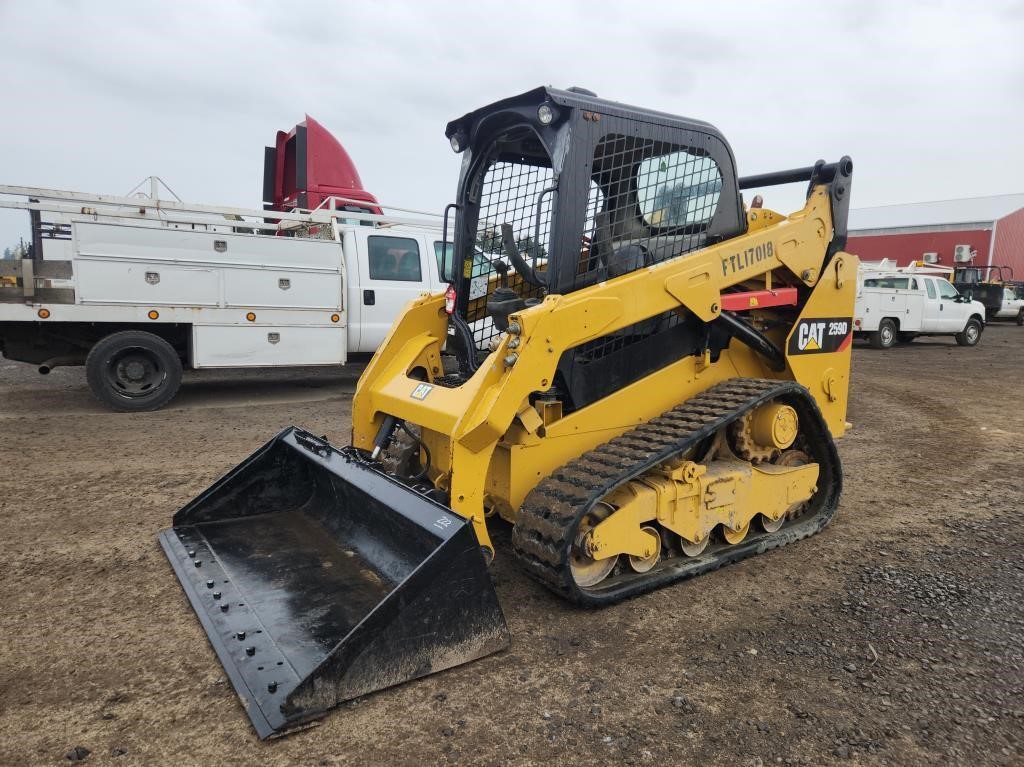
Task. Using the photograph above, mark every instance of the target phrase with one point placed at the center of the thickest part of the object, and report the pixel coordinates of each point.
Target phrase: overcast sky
(927, 97)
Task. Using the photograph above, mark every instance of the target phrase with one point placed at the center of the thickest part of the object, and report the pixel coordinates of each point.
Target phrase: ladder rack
(147, 208)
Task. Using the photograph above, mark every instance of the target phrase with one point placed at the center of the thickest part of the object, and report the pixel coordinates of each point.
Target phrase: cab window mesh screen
(655, 200)
(649, 201)
(510, 194)
(677, 189)
(595, 202)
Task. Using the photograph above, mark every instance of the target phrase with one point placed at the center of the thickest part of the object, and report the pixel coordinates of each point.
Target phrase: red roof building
(992, 228)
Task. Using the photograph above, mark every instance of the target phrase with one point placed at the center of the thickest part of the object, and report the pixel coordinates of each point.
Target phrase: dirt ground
(894, 637)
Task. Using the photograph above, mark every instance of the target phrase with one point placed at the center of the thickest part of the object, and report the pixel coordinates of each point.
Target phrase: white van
(899, 305)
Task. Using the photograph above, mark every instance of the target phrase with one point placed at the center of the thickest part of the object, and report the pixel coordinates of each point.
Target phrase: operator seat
(618, 249)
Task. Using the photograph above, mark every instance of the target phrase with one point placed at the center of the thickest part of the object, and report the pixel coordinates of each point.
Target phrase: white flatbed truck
(139, 288)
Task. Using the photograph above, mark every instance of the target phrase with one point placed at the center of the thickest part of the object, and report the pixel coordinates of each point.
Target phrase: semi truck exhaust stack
(318, 578)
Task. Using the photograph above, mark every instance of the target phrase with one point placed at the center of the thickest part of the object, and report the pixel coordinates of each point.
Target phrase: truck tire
(1020, 317)
(971, 333)
(133, 371)
(885, 337)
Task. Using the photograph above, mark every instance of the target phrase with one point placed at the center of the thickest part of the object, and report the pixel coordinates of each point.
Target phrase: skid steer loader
(639, 376)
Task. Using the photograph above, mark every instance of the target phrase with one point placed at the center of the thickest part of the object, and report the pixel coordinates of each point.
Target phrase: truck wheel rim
(134, 373)
(886, 335)
(972, 333)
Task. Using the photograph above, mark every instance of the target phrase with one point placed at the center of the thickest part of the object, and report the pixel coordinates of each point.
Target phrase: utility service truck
(138, 288)
(900, 303)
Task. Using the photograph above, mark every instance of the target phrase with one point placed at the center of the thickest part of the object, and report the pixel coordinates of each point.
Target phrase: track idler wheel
(586, 570)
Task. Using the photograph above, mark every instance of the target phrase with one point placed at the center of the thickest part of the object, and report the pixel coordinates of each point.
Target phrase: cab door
(1011, 305)
(952, 313)
(914, 307)
(931, 319)
(392, 272)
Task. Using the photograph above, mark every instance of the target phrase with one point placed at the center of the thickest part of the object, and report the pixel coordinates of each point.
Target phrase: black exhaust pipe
(56, 362)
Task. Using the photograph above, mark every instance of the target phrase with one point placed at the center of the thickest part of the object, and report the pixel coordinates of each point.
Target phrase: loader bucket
(319, 579)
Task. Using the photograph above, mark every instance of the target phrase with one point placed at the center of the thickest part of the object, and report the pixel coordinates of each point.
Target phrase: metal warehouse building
(992, 228)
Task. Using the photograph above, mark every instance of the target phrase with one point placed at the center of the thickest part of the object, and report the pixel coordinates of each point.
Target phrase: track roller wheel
(644, 564)
(587, 571)
(735, 536)
(772, 526)
(694, 548)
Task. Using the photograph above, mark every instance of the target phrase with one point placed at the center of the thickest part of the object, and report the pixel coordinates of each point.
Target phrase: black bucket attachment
(319, 579)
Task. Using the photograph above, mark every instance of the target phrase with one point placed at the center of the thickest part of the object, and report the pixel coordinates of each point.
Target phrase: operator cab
(560, 190)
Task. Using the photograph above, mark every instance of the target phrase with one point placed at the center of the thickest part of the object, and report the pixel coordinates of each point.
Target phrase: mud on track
(893, 637)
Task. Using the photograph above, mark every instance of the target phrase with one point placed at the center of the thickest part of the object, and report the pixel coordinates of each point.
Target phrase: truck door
(953, 315)
(1007, 306)
(391, 273)
(912, 316)
(1011, 305)
(931, 321)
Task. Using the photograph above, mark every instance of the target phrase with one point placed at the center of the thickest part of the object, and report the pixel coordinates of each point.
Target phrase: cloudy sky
(927, 97)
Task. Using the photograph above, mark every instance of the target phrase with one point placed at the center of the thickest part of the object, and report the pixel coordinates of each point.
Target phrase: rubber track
(542, 536)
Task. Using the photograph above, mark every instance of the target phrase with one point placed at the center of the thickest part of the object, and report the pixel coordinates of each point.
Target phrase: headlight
(545, 114)
(456, 143)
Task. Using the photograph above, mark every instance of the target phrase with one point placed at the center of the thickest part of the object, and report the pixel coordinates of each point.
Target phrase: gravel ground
(894, 637)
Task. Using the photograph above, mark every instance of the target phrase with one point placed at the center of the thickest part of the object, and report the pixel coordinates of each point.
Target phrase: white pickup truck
(896, 305)
(137, 289)
(1013, 305)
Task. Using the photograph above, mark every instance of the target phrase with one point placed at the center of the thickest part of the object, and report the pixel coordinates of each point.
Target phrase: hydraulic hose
(753, 338)
(422, 474)
(465, 347)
